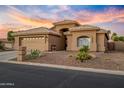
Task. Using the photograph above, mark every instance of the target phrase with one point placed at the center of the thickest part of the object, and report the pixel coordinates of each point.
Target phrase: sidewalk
(114, 72)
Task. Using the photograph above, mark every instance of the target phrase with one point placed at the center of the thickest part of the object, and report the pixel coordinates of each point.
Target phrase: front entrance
(64, 38)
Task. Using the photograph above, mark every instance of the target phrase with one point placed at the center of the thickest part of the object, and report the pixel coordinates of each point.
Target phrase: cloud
(3, 31)
(108, 15)
(22, 18)
(37, 16)
(120, 19)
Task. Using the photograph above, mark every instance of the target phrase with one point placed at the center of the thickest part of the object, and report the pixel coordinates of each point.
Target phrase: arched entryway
(83, 41)
(64, 38)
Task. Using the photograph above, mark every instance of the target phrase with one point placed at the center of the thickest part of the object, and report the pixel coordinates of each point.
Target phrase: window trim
(83, 37)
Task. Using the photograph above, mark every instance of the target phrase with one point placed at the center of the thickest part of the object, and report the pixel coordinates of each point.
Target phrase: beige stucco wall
(69, 42)
(55, 40)
(76, 34)
(101, 42)
(59, 27)
(16, 43)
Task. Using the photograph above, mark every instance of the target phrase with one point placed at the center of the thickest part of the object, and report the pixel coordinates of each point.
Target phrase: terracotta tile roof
(40, 30)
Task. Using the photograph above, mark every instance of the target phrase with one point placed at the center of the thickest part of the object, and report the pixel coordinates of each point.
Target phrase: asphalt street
(25, 76)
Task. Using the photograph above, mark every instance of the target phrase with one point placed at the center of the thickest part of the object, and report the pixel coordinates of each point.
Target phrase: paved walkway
(7, 55)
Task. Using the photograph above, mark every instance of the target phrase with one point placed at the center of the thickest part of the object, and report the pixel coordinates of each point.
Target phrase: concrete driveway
(7, 55)
(18, 75)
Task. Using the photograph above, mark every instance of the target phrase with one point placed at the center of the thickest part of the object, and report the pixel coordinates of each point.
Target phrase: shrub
(83, 54)
(84, 48)
(113, 35)
(34, 54)
(121, 38)
(116, 38)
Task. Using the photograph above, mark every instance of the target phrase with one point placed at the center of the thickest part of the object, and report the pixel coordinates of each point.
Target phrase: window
(83, 41)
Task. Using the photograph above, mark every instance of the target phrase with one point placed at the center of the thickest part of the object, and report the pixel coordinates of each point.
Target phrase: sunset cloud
(24, 17)
(65, 12)
(88, 17)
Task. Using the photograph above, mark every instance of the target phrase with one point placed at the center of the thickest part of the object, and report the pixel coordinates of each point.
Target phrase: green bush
(115, 38)
(34, 54)
(121, 38)
(83, 54)
(84, 48)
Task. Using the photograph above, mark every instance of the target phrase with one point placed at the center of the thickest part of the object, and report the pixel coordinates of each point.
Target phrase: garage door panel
(34, 44)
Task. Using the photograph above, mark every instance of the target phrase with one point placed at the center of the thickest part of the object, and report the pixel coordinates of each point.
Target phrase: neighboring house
(64, 35)
(7, 44)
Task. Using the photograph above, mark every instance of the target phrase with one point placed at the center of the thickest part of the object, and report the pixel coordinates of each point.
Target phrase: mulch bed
(112, 61)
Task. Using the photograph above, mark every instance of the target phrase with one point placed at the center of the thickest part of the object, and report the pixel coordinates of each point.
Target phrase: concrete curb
(114, 72)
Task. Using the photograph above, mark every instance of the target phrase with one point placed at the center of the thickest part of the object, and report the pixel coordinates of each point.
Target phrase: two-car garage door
(34, 43)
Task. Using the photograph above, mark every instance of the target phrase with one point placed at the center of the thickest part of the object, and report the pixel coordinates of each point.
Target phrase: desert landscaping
(111, 60)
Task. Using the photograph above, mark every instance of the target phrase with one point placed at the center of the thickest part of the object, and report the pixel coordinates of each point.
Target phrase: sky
(22, 17)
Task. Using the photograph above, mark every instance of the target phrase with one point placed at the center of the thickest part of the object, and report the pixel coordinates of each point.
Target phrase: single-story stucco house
(64, 35)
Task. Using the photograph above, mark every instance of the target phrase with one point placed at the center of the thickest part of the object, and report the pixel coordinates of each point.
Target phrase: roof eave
(41, 33)
(75, 30)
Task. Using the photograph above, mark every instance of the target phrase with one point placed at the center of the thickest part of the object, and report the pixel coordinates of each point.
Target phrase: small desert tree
(10, 37)
(114, 37)
(1, 46)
